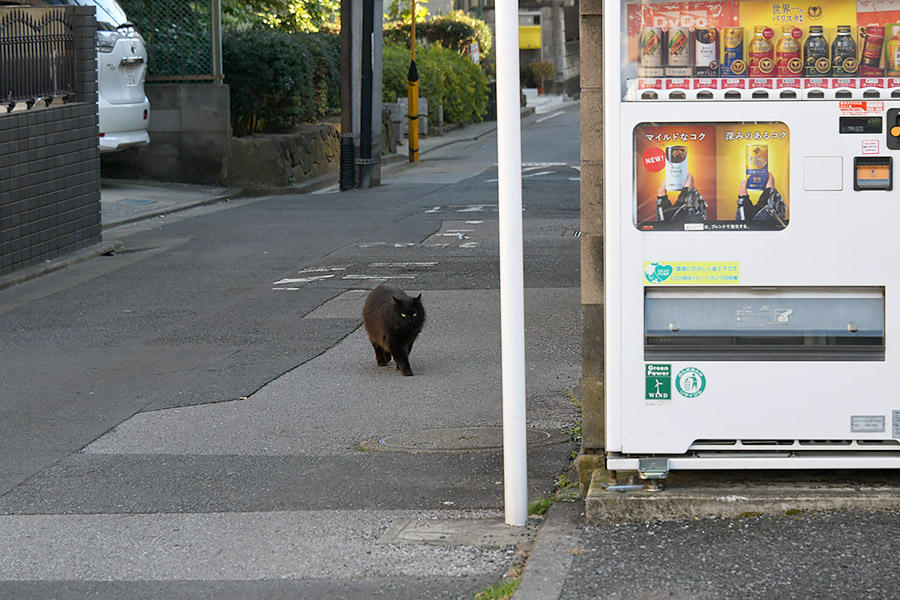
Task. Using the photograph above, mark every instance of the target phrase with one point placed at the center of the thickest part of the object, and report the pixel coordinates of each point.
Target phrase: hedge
(445, 78)
(279, 80)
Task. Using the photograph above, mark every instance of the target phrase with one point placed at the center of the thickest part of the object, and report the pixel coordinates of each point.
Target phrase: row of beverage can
(709, 52)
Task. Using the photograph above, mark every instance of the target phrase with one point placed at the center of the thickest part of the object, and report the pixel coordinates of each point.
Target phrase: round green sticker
(690, 382)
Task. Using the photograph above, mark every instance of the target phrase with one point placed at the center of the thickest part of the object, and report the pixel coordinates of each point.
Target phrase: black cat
(393, 320)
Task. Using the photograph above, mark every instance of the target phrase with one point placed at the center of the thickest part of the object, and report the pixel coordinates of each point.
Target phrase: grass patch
(501, 591)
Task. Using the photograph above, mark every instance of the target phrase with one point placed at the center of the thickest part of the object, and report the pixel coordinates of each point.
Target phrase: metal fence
(184, 41)
(37, 60)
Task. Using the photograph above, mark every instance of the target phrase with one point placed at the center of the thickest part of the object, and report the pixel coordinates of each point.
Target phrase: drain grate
(136, 201)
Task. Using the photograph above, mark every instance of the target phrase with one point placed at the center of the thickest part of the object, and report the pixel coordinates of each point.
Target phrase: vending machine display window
(711, 176)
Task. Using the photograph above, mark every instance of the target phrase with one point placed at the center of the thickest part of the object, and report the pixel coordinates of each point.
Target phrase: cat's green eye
(403, 315)
(415, 314)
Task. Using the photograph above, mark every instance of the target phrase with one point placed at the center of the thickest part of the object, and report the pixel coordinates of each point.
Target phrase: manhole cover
(461, 439)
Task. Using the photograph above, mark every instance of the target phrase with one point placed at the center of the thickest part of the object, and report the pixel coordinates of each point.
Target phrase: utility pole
(363, 109)
(412, 94)
(348, 149)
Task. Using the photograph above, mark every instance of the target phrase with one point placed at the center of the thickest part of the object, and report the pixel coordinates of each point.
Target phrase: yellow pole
(413, 93)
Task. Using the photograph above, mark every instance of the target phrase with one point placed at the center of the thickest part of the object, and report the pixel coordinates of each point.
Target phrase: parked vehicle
(124, 110)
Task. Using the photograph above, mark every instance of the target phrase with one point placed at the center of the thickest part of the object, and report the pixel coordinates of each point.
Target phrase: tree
(288, 15)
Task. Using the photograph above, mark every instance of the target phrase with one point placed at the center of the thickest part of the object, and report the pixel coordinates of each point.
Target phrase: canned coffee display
(815, 54)
(706, 52)
(678, 57)
(733, 64)
(651, 52)
(870, 57)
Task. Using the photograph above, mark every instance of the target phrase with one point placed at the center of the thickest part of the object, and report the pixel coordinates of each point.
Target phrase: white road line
(401, 265)
(367, 277)
(322, 270)
(302, 279)
(542, 119)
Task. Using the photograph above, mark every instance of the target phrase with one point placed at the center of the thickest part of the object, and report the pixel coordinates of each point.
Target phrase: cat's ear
(419, 298)
(395, 299)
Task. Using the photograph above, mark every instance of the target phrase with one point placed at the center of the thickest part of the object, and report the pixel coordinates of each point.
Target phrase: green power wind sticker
(690, 382)
(658, 384)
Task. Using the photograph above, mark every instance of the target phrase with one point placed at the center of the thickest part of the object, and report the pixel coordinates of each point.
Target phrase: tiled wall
(50, 167)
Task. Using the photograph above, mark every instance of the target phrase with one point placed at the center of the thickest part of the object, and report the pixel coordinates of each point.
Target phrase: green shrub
(279, 80)
(455, 31)
(445, 78)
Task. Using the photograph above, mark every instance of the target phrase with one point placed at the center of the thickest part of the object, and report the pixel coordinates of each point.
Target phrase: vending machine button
(893, 128)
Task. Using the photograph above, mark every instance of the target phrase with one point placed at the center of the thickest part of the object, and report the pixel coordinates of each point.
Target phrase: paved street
(200, 415)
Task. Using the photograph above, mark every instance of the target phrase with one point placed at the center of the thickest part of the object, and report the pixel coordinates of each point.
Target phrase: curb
(551, 556)
(735, 498)
(229, 194)
(74, 258)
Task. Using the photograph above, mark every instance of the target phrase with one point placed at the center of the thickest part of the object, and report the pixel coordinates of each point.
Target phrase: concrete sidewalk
(129, 201)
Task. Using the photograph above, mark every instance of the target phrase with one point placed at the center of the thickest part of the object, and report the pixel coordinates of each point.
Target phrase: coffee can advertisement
(676, 167)
(757, 166)
(711, 176)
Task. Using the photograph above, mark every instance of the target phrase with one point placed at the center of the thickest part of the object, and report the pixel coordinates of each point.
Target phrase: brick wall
(50, 166)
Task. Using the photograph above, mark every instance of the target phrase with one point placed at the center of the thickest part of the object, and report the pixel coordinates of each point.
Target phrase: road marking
(302, 279)
(384, 244)
(464, 208)
(542, 119)
(401, 265)
(322, 270)
(367, 277)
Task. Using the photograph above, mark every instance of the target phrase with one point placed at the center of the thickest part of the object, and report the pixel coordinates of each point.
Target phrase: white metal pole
(512, 281)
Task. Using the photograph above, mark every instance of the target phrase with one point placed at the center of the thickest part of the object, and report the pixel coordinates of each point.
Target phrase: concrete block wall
(190, 137)
(592, 221)
(50, 167)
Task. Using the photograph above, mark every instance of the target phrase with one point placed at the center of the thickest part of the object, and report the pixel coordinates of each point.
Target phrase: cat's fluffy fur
(393, 321)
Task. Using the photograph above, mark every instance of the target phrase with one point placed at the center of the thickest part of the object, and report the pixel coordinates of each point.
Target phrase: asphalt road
(195, 415)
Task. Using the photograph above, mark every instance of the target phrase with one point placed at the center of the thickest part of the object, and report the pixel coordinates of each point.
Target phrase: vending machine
(752, 234)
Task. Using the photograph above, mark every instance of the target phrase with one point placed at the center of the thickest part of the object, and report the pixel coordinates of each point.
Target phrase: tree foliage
(288, 15)
(455, 31)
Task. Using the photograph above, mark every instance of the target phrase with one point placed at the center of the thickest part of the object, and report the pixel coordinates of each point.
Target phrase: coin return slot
(649, 96)
(817, 94)
(760, 95)
(788, 94)
(871, 94)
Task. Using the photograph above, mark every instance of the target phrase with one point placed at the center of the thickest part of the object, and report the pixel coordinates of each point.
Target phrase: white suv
(121, 69)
